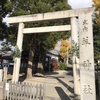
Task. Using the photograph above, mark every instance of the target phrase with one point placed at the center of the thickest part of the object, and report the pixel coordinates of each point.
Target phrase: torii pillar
(74, 35)
(17, 60)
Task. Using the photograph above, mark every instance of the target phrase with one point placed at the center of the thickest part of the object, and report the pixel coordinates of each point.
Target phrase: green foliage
(12, 35)
(8, 6)
(5, 46)
(70, 61)
(3, 31)
(3, 26)
(96, 30)
(96, 36)
(3, 11)
(98, 66)
(75, 49)
(16, 52)
(62, 66)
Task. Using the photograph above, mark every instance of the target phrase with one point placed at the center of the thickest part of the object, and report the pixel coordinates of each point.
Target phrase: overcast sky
(80, 3)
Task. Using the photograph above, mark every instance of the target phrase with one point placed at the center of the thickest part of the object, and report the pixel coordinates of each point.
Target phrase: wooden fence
(23, 91)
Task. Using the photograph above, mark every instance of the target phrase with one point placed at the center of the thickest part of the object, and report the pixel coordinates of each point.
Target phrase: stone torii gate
(86, 86)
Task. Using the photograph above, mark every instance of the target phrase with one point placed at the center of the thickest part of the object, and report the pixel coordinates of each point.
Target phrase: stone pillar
(17, 60)
(5, 65)
(5, 72)
(67, 57)
(74, 36)
(1, 75)
(87, 71)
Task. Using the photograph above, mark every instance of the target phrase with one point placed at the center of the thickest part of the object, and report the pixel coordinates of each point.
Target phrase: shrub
(54, 63)
(55, 66)
(62, 66)
(70, 61)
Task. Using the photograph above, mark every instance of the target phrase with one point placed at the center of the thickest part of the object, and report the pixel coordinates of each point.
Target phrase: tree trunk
(30, 62)
(40, 69)
(30, 57)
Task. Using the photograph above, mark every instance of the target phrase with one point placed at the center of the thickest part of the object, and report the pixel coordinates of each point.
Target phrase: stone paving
(59, 85)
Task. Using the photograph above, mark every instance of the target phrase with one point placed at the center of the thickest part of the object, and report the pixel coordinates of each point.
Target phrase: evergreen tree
(3, 10)
(43, 42)
(3, 26)
(5, 46)
(96, 30)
